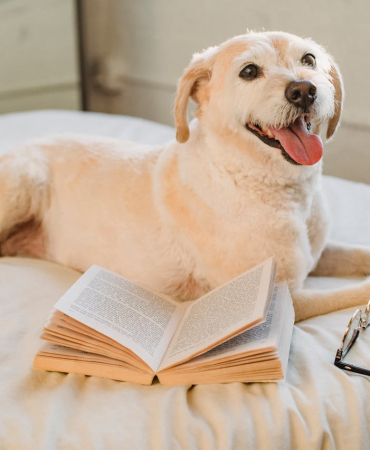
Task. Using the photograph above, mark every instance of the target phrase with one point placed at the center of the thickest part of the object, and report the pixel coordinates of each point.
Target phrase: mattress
(318, 405)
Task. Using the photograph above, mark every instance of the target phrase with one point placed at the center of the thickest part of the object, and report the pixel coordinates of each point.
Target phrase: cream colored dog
(241, 185)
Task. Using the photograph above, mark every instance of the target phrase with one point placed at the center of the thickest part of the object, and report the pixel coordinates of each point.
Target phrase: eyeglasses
(359, 321)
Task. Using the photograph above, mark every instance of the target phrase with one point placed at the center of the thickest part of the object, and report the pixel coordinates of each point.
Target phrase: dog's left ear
(194, 78)
(338, 99)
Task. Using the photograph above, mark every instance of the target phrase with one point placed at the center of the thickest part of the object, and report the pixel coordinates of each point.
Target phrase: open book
(107, 326)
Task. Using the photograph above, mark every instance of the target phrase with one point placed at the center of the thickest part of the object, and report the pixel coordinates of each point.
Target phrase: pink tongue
(303, 147)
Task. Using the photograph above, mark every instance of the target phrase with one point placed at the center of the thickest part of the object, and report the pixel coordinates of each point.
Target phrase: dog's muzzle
(301, 93)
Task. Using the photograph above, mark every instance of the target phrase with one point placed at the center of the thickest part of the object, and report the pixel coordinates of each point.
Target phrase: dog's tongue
(303, 147)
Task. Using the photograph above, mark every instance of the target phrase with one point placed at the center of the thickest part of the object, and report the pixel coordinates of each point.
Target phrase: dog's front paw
(363, 291)
(364, 262)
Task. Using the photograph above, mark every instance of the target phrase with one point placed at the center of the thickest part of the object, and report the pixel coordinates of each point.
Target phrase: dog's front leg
(313, 302)
(337, 260)
(340, 260)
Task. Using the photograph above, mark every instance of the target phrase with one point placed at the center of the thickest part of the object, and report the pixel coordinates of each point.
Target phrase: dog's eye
(249, 72)
(309, 60)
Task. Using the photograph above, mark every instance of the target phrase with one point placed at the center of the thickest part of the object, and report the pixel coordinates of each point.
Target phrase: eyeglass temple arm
(349, 367)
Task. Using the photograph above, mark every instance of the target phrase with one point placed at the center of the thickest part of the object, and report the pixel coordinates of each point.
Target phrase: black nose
(301, 93)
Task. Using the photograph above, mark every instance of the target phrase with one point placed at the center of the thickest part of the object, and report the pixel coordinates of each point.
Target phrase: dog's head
(265, 92)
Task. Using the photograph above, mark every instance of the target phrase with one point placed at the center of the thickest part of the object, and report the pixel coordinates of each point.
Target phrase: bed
(318, 406)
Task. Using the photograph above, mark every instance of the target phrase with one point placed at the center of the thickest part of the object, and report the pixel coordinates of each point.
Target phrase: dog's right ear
(194, 78)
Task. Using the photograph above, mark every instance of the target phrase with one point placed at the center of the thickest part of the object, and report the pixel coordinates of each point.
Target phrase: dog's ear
(338, 99)
(195, 76)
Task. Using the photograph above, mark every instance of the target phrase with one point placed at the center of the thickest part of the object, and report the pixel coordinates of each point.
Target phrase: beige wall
(38, 55)
(148, 43)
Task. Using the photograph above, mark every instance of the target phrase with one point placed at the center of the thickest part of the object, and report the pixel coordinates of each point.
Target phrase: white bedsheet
(318, 406)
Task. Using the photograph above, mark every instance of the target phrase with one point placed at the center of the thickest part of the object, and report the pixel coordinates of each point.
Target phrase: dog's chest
(290, 225)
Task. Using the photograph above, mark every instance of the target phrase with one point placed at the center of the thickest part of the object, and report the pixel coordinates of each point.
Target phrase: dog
(240, 183)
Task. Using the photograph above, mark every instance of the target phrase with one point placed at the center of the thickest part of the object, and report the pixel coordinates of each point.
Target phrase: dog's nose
(301, 93)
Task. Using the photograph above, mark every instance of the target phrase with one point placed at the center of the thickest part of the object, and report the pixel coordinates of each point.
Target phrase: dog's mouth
(296, 142)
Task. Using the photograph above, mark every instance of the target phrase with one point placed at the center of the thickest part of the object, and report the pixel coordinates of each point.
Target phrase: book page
(222, 313)
(58, 358)
(134, 317)
(263, 336)
(55, 350)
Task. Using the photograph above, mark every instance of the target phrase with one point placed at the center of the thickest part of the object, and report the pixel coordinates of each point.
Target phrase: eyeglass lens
(355, 322)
